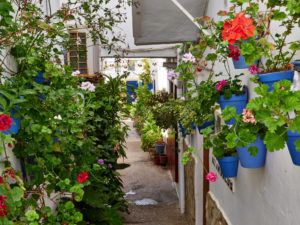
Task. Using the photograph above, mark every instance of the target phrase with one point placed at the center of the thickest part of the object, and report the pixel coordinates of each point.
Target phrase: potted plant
(159, 146)
(279, 110)
(225, 154)
(263, 42)
(247, 136)
(233, 94)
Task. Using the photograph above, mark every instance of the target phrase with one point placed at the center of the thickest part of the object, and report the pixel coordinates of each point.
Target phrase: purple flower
(100, 161)
(188, 57)
(109, 165)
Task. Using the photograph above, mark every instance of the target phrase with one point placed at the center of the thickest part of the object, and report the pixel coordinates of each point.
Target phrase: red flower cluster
(84, 176)
(234, 52)
(116, 148)
(239, 27)
(9, 173)
(5, 122)
(1, 180)
(3, 210)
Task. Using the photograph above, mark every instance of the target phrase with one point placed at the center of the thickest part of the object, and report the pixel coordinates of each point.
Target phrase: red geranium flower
(1, 180)
(3, 210)
(234, 53)
(5, 122)
(239, 27)
(84, 176)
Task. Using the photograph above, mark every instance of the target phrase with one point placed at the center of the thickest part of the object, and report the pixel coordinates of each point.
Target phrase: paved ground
(144, 180)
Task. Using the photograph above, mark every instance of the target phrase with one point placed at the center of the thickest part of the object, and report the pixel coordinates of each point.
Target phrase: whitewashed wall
(265, 196)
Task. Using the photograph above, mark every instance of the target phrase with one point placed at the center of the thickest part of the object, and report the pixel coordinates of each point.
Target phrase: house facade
(261, 196)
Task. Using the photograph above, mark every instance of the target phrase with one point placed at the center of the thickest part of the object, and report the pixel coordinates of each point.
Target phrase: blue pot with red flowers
(249, 161)
(229, 166)
(292, 138)
(239, 102)
(237, 59)
(271, 78)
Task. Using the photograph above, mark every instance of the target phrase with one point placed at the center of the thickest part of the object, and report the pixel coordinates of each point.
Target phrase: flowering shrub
(59, 161)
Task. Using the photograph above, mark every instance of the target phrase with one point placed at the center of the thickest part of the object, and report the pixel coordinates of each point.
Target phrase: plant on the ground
(70, 135)
(151, 134)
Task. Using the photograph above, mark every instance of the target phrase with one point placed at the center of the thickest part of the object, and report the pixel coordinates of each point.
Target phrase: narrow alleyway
(150, 183)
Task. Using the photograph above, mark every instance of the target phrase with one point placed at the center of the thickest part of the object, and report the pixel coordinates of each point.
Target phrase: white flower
(188, 57)
(172, 75)
(182, 98)
(87, 86)
(75, 73)
(58, 117)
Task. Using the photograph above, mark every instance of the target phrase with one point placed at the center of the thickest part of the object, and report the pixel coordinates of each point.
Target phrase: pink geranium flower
(188, 57)
(212, 177)
(248, 117)
(221, 84)
(253, 69)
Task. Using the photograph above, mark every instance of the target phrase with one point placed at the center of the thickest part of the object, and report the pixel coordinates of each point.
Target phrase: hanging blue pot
(295, 155)
(193, 126)
(271, 78)
(250, 161)
(16, 124)
(240, 64)
(229, 166)
(205, 125)
(40, 78)
(296, 65)
(239, 102)
(182, 129)
(159, 148)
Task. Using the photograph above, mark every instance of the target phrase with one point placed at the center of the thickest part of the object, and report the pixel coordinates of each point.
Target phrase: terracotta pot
(163, 159)
(156, 160)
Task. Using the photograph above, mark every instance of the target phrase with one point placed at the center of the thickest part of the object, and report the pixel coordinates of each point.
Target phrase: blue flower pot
(229, 166)
(250, 161)
(182, 129)
(239, 102)
(159, 148)
(240, 64)
(296, 65)
(271, 78)
(15, 126)
(295, 155)
(205, 125)
(193, 126)
(40, 78)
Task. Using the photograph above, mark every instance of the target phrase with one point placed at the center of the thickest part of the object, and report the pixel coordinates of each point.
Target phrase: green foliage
(53, 151)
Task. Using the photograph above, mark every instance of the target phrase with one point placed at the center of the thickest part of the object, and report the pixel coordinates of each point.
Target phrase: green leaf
(253, 150)
(262, 90)
(274, 141)
(16, 194)
(279, 15)
(31, 215)
(229, 113)
(297, 143)
(231, 139)
(211, 57)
